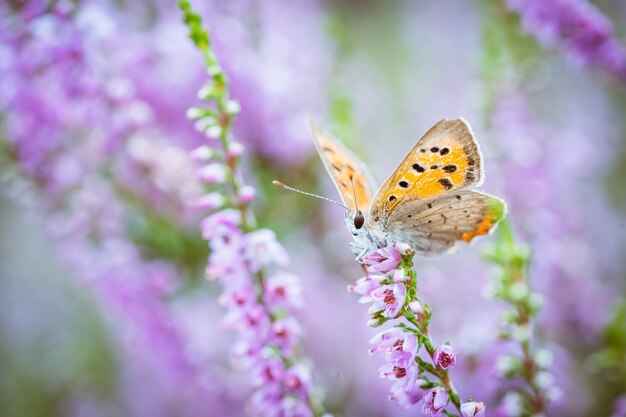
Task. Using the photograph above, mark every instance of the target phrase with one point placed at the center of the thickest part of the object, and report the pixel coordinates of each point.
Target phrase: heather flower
(384, 259)
(389, 299)
(283, 290)
(577, 25)
(444, 356)
(397, 346)
(214, 173)
(365, 286)
(408, 396)
(435, 400)
(261, 250)
(210, 201)
(472, 409)
(259, 306)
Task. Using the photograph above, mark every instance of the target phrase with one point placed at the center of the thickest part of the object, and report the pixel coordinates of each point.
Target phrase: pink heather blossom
(298, 380)
(365, 286)
(408, 397)
(384, 259)
(203, 154)
(435, 400)
(397, 346)
(444, 356)
(283, 290)
(235, 149)
(389, 299)
(472, 409)
(268, 371)
(212, 174)
(285, 333)
(210, 201)
(246, 194)
(262, 249)
(215, 224)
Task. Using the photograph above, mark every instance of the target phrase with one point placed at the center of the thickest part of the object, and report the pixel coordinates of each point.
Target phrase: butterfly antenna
(281, 185)
(356, 203)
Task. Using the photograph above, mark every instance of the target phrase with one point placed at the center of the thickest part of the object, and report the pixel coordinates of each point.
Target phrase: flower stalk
(532, 389)
(391, 284)
(246, 260)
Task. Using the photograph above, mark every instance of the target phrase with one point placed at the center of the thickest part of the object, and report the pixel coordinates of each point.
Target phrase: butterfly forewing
(444, 160)
(434, 225)
(345, 169)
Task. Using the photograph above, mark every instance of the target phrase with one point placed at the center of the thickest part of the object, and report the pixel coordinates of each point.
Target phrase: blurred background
(103, 307)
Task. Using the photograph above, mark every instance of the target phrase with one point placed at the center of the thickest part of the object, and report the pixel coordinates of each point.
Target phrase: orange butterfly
(427, 202)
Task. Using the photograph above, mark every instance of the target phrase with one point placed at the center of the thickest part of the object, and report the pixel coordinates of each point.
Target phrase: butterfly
(428, 202)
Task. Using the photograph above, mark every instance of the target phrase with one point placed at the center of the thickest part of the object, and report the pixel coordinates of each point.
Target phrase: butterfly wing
(348, 174)
(446, 159)
(433, 226)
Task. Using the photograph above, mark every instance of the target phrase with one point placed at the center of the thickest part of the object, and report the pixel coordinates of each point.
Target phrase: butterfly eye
(359, 219)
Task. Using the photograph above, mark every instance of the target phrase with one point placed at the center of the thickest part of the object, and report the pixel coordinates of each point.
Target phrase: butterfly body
(427, 202)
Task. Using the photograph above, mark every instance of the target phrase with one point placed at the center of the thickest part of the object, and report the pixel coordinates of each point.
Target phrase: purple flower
(444, 356)
(268, 371)
(210, 201)
(407, 396)
(262, 249)
(285, 334)
(384, 259)
(214, 173)
(298, 380)
(435, 400)
(397, 346)
(365, 286)
(283, 290)
(389, 299)
(472, 409)
(579, 26)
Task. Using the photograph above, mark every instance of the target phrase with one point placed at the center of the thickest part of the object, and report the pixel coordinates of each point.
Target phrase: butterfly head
(355, 221)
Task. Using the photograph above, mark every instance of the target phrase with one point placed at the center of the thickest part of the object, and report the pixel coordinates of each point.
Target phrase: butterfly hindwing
(444, 160)
(434, 225)
(347, 172)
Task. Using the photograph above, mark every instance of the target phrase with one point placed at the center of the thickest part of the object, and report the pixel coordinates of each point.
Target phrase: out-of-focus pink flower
(283, 290)
(444, 356)
(285, 334)
(384, 259)
(213, 173)
(298, 380)
(435, 400)
(389, 299)
(246, 194)
(473, 409)
(210, 201)
(262, 249)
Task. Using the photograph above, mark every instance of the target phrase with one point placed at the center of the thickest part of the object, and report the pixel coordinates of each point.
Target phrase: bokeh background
(103, 307)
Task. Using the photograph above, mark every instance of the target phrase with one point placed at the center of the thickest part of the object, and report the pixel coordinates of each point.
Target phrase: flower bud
(203, 154)
(235, 149)
(416, 308)
(445, 356)
(473, 409)
(210, 201)
(213, 173)
(246, 194)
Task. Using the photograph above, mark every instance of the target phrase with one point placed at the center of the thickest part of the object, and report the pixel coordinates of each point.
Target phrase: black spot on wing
(418, 168)
(469, 176)
(434, 149)
(444, 151)
(392, 198)
(449, 169)
(446, 183)
(403, 184)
